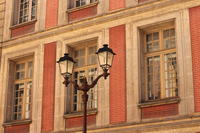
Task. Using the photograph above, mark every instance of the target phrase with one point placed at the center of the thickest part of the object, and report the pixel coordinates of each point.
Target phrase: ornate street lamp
(66, 63)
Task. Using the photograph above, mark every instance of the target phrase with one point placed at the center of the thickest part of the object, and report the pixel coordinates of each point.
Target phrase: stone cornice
(156, 124)
(103, 18)
(13, 123)
(149, 125)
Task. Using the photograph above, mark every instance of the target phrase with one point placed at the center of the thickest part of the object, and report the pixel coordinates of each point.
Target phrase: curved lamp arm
(104, 74)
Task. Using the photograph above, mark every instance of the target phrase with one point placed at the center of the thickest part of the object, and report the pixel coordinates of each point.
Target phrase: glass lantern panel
(102, 58)
(70, 67)
(63, 67)
(110, 59)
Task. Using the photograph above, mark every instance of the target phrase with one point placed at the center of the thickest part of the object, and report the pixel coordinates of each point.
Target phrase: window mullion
(146, 80)
(162, 76)
(18, 11)
(162, 71)
(87, 2)
(24, 101)
(25, 90)
(30, 10)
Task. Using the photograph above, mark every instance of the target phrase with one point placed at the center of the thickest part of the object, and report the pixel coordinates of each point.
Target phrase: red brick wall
(195, 38)
(118, 75)
(51, 13)
(48, 93)
(78, 121)
(22, 30)
(159, 111)
(17, 129)
(116, 4)
(82, 13)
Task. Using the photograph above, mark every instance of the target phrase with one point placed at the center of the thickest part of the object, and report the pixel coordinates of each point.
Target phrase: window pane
(91, 1)
(20, 75)
(92, 58)
(23, 11)
(152, 41)
(92, 100)
(77, 99)
(30, 69)
(33, 9)
(169, 38)
(170, 75)
(153, 77)
(83, 2)
(20, 66)
(27, 115)
(92, 50)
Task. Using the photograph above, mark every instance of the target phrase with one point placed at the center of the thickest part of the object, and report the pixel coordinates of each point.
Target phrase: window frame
(17, 9)
(73, 3)
(161, 52)
(86, 67)
(25, 81)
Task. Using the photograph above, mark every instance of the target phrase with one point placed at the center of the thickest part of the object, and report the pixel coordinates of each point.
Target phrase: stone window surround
(39, 21)
(102, 117)
(20, 53)
(81, 45)
(181, 19)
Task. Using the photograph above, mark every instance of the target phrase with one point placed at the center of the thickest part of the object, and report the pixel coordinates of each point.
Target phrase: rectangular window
(24, 11)
(22, 89)
(86, 66)
(160, 64)
(78, 3)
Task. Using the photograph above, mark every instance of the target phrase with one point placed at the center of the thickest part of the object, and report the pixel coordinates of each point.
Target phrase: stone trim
(78, 114)
(159, 102)
(23, 24)
(103, 18)
(155, 125)
(34, 49)
(14, 123)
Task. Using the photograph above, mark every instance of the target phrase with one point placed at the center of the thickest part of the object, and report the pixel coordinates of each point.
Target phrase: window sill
(14, 123)
(159, 102)
(82, 7)
(78, 114)
(23, 24)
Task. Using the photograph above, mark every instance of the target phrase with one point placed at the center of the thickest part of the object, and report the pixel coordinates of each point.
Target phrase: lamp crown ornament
(105, 49)
(65, 58)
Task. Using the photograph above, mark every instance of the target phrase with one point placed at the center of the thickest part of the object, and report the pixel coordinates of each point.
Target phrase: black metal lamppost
(66, 64)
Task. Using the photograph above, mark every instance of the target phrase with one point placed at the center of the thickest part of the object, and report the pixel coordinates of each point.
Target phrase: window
(78, 3)
(25, 10)
(22, 89)
(160, 64)
(86, 66)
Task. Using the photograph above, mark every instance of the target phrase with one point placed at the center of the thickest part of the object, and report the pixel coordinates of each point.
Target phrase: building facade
(154, 82)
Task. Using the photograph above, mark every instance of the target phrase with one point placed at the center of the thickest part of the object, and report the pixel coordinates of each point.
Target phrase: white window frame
(161, 53)
(87, 2)
(26, 108)
(18, 18)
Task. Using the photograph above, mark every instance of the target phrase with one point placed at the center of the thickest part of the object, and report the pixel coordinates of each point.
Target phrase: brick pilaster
(118, 75)
(48, 93)
(195, 38)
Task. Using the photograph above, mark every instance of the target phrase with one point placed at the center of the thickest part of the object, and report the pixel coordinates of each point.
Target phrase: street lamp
(66, 63)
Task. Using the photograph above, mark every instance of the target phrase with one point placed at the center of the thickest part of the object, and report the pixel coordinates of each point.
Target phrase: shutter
(10, 90)
(15, 12)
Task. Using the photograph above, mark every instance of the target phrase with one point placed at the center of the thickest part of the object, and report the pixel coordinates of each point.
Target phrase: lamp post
(66, 63)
